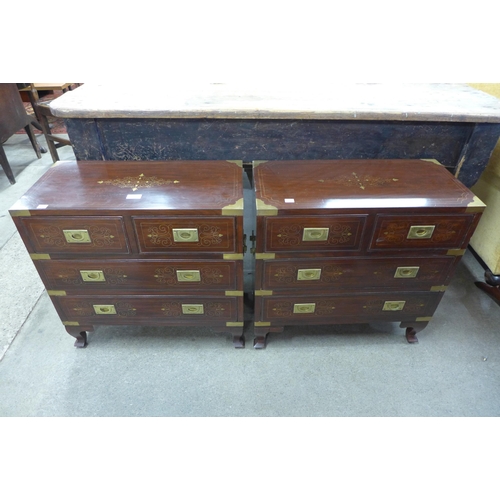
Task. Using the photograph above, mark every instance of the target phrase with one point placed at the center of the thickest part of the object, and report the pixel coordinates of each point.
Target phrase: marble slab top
(362, 101)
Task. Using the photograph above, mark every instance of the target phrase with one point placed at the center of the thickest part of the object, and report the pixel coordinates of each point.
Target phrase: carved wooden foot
(80, 334)
(491, 287)
(238, 341)
(259, 342)
(412, 328)
(261, 335)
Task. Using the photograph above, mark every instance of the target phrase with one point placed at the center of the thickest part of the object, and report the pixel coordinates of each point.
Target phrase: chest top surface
(181, 186)
(358, 184)
(312, 101)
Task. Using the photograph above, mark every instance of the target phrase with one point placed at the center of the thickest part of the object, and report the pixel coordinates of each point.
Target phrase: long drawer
(389, 306)
(414, 273)
(143, 309)
(124, 276)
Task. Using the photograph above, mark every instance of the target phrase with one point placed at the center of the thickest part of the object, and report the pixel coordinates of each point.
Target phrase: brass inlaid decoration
(188, 234)
(138, 182)
(123, 309)
(308, 274)
(164, 235)
(97, 236)
(334, 234)
(192, 308)
(315, 234)
(361, 181)
(188, 275)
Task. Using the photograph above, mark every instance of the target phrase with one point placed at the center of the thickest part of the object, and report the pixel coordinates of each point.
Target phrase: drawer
(76, 235)
(127, 275)
(313, 233)
(390, 306)
(203, 234)
(130, 309)
(426, 231)
(341, 273)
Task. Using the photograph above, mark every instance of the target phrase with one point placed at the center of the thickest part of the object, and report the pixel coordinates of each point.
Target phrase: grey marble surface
(421, 102)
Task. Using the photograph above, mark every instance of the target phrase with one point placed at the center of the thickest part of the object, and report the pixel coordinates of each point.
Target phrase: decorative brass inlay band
(57, 293)
(265, 256)
(304, 308)
(315, 234)
(104, 308)
(456, 251)
(20, 213)
(71, 323)
(423, 318)
(232, 256)
(238, 163)
(264, 209)
(394, 305)
(234, 293)
(40, 256)
(441, 288)
(308, 274)
(92, 275)
(406, 272)
(234, 323)
(192, 308)
(262, 323)
(138, 182)
(263, 293)
(77, 236)
(420, 232)
(362, 181)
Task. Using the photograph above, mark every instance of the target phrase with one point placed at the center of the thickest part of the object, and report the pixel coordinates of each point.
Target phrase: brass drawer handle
(420, 232)
(77, 236)
(308, 274)
(104, 309)
(185, 234)
(92, 275)
(192, 308)
(188, 276)
(394, 305)
(315, 234)
(406, 272)
(304, 308)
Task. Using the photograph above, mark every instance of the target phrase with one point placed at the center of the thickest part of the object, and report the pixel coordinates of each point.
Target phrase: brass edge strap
(475, 206)
(456, 251)
(262, 323)
(256, 163)
(264, 209)
(440, 288)
(239, 163)
(232, 256)
(234, 293)
(71, 323)
(57, 293)
(432, 160)
(234, 323)
(40, 256)
(20, 213)
(423, 318)
(263, 293)
(235, 209)
(265, 256)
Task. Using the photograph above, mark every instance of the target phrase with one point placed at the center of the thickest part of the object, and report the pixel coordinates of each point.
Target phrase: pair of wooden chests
(163, 243)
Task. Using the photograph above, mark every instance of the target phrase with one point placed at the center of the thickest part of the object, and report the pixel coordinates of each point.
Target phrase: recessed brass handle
(394, 305)
(104, 309)
(308, 274)
(188, 234)
(420, 232)
(406, 272)
(315, 234)
(92, 275)
(77, 236)
(192, 308)
(188, 276)
(304, 308)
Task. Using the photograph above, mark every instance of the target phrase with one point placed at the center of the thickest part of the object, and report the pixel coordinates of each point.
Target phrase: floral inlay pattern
(362, 181)
(54, 236)
(162, 235)
(292, 235)
(138, 182)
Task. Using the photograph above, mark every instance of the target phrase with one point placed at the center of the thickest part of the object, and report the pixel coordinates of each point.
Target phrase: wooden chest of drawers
(147, 243)
(354, 241)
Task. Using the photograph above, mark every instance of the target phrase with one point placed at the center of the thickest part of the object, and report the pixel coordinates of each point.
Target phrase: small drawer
(203, 234)
(355, 273)
(313, 233)
(76, 235)
(130, 309)
(393, 306)
(408, 232)
(126, 275)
